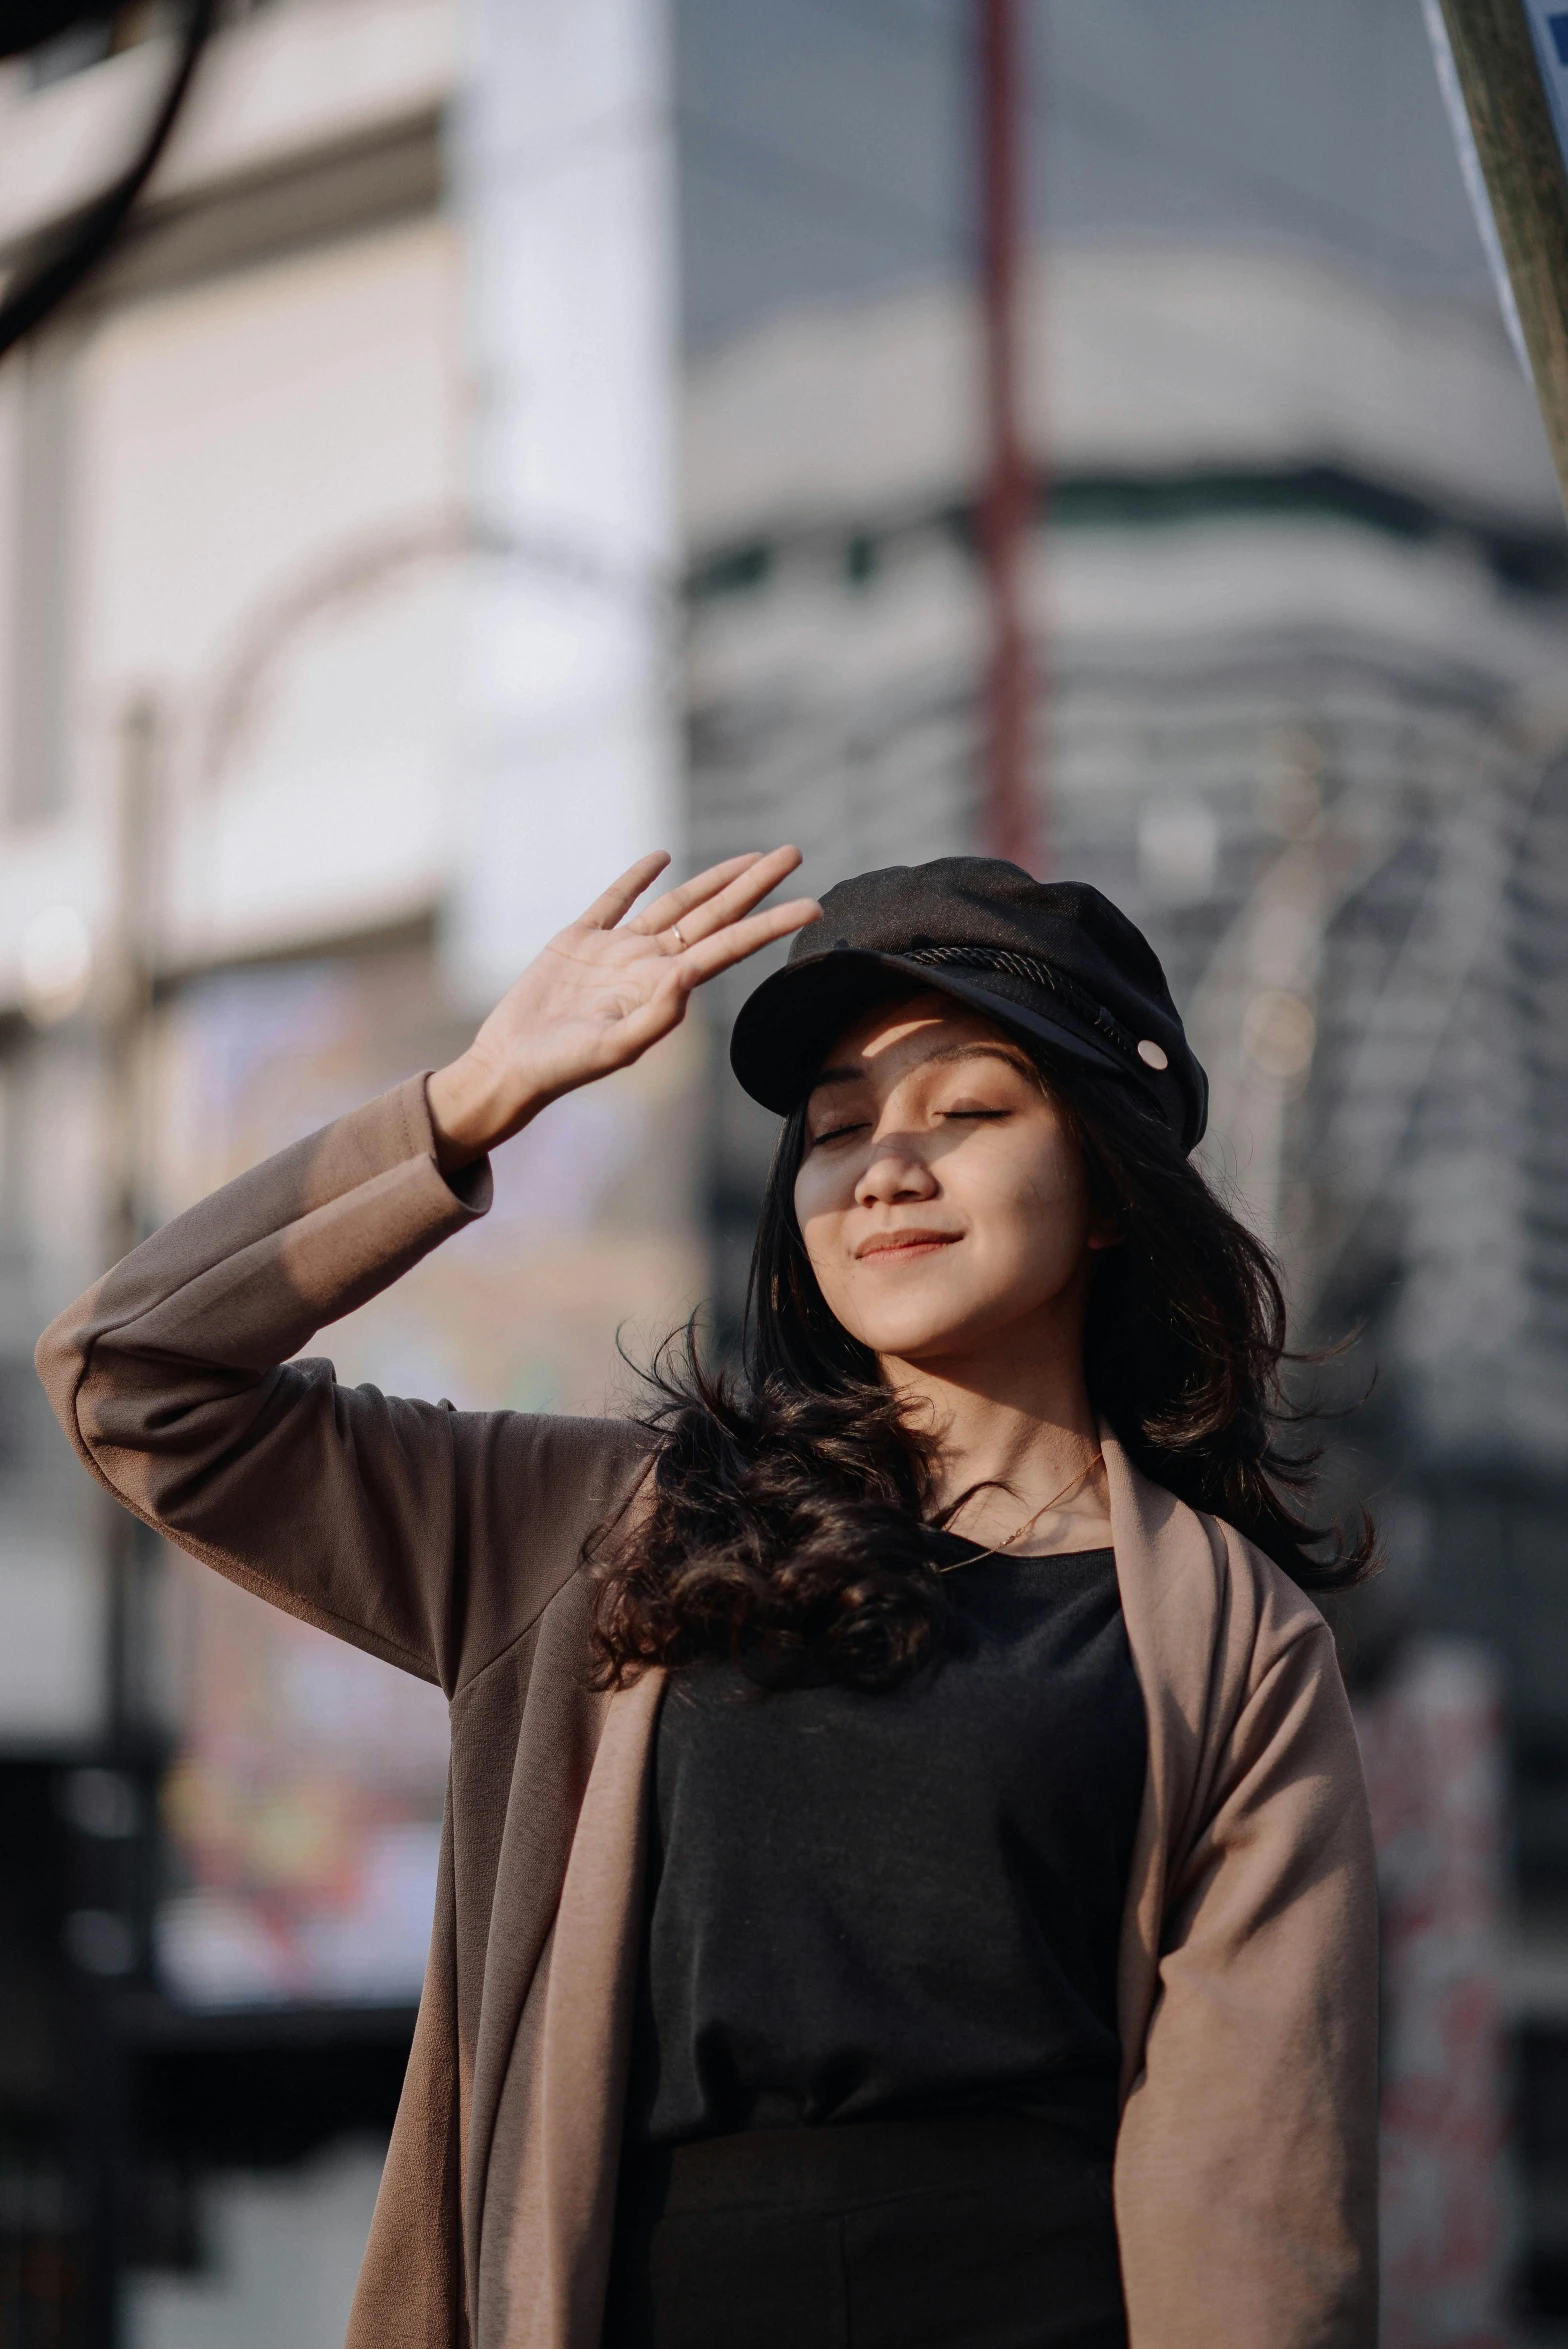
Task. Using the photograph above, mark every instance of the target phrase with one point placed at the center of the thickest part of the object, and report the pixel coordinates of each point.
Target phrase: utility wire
(70, 254)
(1069, 105)
(758, 162)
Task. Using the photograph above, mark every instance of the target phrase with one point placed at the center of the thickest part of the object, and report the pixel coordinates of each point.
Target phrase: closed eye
(837, 1133)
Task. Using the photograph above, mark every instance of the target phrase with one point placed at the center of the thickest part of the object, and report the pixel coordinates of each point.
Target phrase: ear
(1105, 1231)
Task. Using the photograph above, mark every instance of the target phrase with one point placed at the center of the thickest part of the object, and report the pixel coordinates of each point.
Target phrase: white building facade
(337, 523)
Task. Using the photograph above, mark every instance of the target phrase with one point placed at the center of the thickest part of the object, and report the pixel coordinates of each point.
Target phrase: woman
(886, 1794)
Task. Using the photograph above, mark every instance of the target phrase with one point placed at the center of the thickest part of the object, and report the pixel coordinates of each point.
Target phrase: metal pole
(128, 1007)
(1010, 826)
(117, 1882)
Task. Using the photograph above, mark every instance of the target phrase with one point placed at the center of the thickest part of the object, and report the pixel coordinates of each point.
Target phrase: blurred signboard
(304, 1805)
(306, 1812)
(1431, 1740)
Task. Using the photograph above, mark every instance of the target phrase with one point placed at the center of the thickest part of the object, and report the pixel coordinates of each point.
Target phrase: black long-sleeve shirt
(876, 1904)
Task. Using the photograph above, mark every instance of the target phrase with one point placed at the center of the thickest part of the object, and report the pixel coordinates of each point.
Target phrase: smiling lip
(905, 1244)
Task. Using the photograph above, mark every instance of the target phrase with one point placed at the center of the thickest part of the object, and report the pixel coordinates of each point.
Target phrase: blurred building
(334, 615)
(1298, 584)
(338, 529)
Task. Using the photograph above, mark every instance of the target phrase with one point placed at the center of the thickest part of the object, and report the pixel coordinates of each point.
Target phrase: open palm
(605, 988)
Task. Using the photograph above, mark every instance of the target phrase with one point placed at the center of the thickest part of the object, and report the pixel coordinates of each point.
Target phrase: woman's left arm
(1246, 2171)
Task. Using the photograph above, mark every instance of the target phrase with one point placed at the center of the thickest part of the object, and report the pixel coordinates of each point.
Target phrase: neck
(1015, 1420)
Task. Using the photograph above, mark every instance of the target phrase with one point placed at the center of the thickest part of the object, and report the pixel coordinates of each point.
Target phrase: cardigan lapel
(1170, 1582)
(558, 2256)
(559, 1734)
(557, 1761)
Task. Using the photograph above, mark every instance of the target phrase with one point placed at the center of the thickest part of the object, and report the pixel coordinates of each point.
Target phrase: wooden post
(1516, 144)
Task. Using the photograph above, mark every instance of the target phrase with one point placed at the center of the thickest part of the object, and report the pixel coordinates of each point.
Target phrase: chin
(902, 1345)
(926, 1338)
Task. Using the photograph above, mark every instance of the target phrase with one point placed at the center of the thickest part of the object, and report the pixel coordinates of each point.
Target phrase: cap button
(1153, 1055)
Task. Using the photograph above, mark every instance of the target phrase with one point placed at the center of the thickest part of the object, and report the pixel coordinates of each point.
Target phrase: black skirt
(989, 2231)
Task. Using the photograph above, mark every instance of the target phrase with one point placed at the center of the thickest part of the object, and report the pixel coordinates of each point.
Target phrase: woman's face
(942, 1197)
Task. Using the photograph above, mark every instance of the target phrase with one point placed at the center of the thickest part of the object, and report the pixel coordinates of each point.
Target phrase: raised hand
(603, 990)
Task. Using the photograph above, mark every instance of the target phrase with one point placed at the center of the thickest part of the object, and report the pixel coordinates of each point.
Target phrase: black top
(877, 1905)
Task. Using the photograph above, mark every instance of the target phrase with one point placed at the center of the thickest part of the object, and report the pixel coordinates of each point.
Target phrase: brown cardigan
(450, 1543)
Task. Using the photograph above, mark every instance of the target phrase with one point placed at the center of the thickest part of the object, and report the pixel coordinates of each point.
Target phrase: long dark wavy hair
(788, 1524)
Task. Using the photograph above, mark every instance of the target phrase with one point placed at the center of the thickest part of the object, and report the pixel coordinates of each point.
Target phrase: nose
(895, 1170)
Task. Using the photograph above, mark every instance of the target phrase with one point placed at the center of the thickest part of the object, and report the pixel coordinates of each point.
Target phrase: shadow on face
(942, 1194)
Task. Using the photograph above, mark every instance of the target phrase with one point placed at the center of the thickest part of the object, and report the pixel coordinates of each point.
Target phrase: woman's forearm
(471, 1113)
(172, 1378)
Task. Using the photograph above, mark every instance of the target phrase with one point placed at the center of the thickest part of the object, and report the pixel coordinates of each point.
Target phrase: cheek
(1031, 1208)
(824, 1211)
(822, 1197)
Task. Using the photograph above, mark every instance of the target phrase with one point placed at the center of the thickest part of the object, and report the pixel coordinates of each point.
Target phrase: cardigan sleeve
(430, 1537)
(1246, 2169)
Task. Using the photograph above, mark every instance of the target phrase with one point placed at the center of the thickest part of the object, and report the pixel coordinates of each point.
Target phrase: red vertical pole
(1010, 827)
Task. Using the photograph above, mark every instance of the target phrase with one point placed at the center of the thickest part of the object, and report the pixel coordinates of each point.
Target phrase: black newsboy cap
(1054, 962)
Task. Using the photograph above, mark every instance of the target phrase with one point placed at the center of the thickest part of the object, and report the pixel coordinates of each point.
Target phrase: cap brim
(785, 1027)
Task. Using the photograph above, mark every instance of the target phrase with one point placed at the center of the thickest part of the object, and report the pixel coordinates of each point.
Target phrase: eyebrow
(1011, 1058)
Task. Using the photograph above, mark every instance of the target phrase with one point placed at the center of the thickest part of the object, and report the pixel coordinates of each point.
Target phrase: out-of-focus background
(513, 433)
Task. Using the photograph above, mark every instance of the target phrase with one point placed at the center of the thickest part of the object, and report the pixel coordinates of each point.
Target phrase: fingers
(746, 891)
(707, 903)
(717, 896)
(607, 909)
(736, 940)
(668, 908)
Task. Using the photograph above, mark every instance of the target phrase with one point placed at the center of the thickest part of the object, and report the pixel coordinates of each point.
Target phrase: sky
(827, 152)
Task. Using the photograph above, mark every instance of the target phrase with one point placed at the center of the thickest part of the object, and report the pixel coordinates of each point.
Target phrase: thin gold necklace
(1017, 1535)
